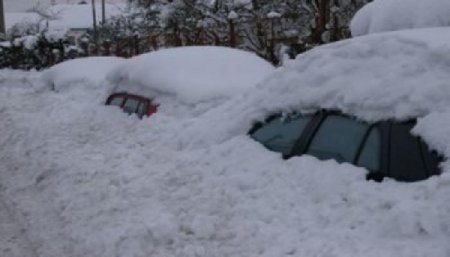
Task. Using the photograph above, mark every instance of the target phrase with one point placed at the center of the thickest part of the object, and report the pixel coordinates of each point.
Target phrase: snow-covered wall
(391, 15)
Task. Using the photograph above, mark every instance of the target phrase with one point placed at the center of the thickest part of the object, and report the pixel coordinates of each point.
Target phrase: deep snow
(88, 70)
(88, 180)
(188, 81)
(191, 74)
(391, 15)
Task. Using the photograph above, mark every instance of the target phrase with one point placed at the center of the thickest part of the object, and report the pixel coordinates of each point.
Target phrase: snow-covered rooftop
(65, 16)
(79, 16)
(14, 18)
(391, 15)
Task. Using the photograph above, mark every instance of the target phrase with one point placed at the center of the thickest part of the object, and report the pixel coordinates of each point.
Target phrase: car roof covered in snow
(391, 15)
(394, 75)
(70, 72)
(192, 74)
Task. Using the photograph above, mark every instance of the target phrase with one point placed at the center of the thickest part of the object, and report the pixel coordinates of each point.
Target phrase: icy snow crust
(391, 15)
(83, 179)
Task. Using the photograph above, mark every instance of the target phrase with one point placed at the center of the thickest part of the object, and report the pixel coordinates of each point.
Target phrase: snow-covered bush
(263, 27)
(35, 52)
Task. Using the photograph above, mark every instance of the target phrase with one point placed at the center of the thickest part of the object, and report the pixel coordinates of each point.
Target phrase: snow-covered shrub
(34, 52)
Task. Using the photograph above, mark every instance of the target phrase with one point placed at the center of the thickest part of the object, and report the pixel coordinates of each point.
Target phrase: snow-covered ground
(85, 179)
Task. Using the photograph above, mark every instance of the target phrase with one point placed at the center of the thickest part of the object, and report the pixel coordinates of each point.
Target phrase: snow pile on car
(83, 179)
(191, 74)
(390, 15)
(90, 70)
(393, 75)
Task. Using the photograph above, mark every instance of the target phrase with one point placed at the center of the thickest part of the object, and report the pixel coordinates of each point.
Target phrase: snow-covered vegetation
(268, 28)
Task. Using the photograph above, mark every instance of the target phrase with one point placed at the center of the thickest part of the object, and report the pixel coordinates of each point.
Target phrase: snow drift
(390, 15)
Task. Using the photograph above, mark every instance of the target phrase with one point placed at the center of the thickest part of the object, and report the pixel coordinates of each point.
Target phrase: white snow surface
(64, 17)
(84, 179)
(192, 74)
(79, 16)
(15, 18)
(88, 70)
(392, 15)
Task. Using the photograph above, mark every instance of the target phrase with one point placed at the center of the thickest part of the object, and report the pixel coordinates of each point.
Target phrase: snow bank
(85, 179)
(191, 74)
(390, 15)
(89, 70)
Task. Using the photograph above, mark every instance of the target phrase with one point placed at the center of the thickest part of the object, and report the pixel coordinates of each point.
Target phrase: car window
(117, 101)
(386, 149)
(432, 159)
(141, 109)
(370, 156)
(339, 138)
(131, 105)
(406, 160)
(280, 134)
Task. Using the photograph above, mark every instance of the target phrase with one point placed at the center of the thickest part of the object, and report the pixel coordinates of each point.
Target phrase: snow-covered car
(88, 71)
(185, 77)
(385, 149)
(362, 101)
(132, 104)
